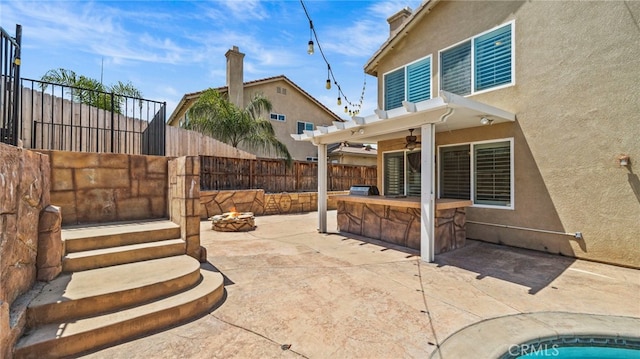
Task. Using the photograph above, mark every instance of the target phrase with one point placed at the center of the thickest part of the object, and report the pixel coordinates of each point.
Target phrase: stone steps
(76, 295)
(98, 258)
(86, 238)
(121, 281)
(65, 339)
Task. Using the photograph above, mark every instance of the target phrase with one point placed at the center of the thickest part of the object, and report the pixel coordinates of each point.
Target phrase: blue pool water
(584, 353)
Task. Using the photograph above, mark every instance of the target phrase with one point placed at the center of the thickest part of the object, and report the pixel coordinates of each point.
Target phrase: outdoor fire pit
(233, 222)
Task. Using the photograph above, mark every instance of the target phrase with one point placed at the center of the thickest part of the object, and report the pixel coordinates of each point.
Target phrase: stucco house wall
(577, 101)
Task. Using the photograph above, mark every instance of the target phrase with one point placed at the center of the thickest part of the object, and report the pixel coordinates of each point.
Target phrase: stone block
(86, 178)
(372, 222)
(245, 196)
(50, 245)
(10, 159)
(152, 187)
(304, 198)
(157, 165)
(413, 237)
(18, 268)
(138, 167)
(192, 225)
(67, 202)
(394, 232)
(64, 159)
(133, 208)
(95, 206)
(62, 179)
(193, 246)
(158, 207)
(196, 165)
(192, 186)
(114, 160)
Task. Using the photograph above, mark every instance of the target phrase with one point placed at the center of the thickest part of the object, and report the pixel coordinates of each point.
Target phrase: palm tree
(91, 91)
(213, 115)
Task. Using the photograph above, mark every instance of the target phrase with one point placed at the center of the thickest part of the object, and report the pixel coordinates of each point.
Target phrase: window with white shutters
(483, 62)
(409, 83)
(482, 172)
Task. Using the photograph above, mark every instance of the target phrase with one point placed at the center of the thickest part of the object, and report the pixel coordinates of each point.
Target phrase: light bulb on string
(328, 85)
(310, 48)
(346, 109)
(339, 101)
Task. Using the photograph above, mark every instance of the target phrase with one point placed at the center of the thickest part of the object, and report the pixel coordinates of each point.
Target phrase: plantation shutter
(394, 89)
(493, 173)
(393, 174)
(413, 174)
(455, 70)
(455, 172)
(419, 81)
(492, 56)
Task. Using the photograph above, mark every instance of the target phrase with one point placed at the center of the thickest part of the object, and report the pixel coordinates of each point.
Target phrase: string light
(310, 46)
(355, 107)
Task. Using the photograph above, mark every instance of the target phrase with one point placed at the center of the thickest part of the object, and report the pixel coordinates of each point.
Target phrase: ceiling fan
(412, 141)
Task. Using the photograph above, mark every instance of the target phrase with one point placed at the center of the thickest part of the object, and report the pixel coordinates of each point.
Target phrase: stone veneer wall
(401, 225)
(184, 202)
(260, 203)
(108, 187)
(24, 193)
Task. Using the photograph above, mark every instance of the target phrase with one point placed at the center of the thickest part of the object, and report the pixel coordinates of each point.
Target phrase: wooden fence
(273, 176)
(181, 142)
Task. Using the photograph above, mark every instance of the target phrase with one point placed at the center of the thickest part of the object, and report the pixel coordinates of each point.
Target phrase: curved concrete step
(96, 291)
(60, 340)
(98, 258)
(84, 238)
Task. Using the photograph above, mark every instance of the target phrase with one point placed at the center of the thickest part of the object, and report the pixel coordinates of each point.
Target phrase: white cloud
(246, 9)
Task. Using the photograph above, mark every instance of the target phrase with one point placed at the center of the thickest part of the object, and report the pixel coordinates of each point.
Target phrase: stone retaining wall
(24, 193)
(108, 187)
(260, 203)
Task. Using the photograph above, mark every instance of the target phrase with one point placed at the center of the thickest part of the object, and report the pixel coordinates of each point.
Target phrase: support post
(322, 188)
(427, 190)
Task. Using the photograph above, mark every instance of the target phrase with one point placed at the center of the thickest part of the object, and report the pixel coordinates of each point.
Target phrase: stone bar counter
(397, 220)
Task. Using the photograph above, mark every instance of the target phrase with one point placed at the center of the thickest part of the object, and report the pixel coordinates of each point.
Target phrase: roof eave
(370, 67)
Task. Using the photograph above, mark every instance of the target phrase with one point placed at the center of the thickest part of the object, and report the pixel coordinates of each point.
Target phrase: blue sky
(169, 48)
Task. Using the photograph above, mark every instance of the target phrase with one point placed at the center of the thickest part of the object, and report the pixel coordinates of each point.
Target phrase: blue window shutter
(492, 55)
(455, 69)
(419, 81)
(394, 89)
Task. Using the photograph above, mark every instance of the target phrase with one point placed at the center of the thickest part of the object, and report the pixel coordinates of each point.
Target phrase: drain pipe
(576, 235)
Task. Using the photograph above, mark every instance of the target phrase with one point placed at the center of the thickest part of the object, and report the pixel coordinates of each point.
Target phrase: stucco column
(322, 188)
(427, 190)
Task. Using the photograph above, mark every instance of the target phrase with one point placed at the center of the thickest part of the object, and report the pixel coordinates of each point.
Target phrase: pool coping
(492, 338)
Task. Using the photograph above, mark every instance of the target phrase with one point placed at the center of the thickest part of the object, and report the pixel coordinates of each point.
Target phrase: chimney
(396, 20)
(235, 81)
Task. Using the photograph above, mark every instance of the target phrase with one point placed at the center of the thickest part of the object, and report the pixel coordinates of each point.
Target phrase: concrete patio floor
(292, 292)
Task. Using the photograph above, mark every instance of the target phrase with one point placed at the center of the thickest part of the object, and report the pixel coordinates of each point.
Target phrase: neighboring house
(294, 110)
(528, 109)
(347, 153)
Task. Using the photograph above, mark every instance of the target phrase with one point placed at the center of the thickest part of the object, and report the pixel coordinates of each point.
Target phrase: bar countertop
(410, 202)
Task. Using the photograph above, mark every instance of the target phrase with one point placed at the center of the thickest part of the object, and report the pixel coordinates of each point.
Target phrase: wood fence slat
(272, 175)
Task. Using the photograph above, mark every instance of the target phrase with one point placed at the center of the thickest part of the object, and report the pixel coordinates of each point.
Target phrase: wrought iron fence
(9, 86)
(68, 118)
